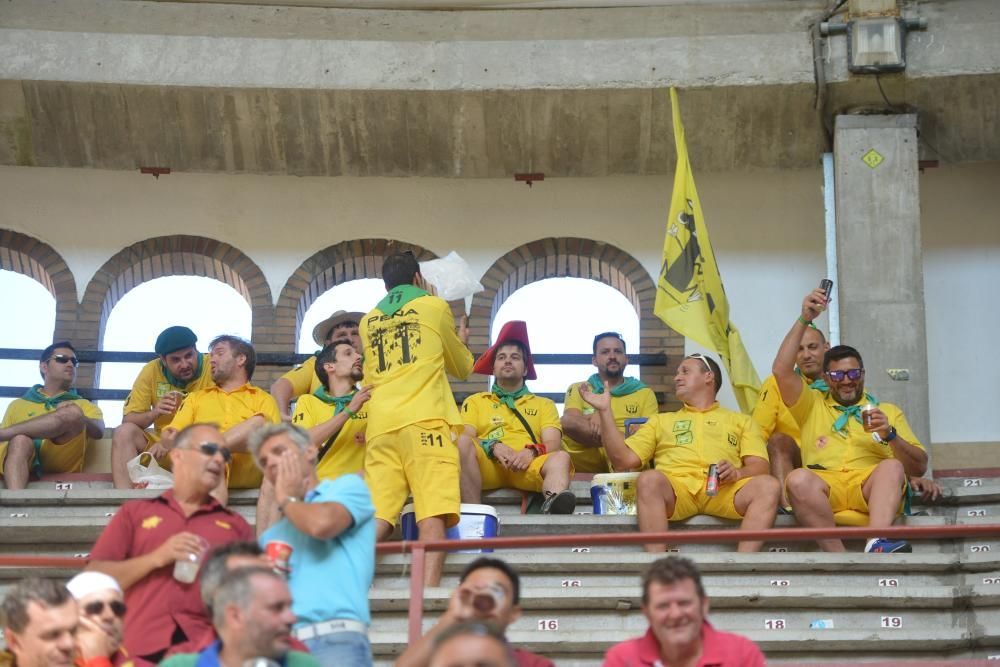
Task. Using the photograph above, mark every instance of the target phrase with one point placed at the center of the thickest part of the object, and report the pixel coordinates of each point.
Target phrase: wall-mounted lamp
(876, 36)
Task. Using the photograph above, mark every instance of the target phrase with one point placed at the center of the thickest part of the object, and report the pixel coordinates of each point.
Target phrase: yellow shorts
(691, 499)
(845, 489)
(495, 476)
(243, 473)
(421, 459)
(57, 458)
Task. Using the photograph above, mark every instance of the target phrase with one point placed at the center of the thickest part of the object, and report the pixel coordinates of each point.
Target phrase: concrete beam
(206, 87)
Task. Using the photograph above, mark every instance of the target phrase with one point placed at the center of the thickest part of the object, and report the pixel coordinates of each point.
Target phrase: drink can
(280, 555)
(712, 482)
(827, 286)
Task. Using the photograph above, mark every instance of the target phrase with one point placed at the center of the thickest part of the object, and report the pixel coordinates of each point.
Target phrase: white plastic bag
(146, 473)
(451, 277)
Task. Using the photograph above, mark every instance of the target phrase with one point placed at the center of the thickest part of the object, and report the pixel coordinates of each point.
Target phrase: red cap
(513, 331)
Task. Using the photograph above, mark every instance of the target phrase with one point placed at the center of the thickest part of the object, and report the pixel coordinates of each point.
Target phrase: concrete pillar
(881, 291)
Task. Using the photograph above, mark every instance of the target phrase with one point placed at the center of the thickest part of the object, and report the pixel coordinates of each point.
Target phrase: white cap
(86, 583)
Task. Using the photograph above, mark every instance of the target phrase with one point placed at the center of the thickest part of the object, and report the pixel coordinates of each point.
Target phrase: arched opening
(563, 316)
(357, 263)
(208, 306)
(359, 295)
(31, 310)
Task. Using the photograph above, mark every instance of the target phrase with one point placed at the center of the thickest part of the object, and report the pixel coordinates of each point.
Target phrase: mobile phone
(827, 286)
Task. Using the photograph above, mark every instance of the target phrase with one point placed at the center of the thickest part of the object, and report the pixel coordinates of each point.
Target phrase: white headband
(86, 583)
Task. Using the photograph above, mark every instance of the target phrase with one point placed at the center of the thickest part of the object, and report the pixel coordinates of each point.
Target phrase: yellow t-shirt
(686, 442)
(214, 406)
(771, 412)
(347, 453)
(303, 378)
(406, 357)
(495, 421)
(816, 412)
(640, 403)
(151, 385)
(55, 458)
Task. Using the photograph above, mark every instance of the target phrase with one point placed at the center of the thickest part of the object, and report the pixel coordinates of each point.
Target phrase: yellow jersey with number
(853, 448)
(686, 442)
(151, 385)
(493, 420)
(407, 356)
(640, 403)
(347, 453)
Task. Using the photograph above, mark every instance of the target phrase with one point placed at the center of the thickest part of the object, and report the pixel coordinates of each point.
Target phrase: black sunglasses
(65, 359)
(211, 449)
(852, 374)
(97, 607)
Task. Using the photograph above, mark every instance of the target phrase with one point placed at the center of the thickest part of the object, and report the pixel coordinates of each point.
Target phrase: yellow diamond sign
(872, 158)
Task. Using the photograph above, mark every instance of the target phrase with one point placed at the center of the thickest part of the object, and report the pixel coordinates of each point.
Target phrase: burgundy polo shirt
(158, 602)
(719, 649)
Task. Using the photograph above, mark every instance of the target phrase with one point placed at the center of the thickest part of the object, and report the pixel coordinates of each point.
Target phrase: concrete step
(848, 658)
(898, 577)
(936, 640)
(884, 620)
(626, 595)
(79, 524)
(564, 561)
(956, 491)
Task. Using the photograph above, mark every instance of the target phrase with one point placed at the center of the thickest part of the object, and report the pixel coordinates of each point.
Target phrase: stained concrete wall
(767, 231)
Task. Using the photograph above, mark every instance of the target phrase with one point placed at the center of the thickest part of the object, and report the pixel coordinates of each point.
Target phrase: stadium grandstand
(285, 149)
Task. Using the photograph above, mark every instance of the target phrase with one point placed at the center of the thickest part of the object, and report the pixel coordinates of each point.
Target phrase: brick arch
(581, 258)
(35, 259)
(177, 255)
(336, 264)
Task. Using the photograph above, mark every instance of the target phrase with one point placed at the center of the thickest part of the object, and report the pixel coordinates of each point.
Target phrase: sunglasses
(852, 374)
(97, 607)
(64, 359)
(211, 449)
(702, 358)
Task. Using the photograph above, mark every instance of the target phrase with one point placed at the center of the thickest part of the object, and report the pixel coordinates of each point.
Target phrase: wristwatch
(285, 502)
(890, 436)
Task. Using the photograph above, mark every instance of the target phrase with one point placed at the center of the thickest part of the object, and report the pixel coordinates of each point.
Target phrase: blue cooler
(475, 523)
(614, 493)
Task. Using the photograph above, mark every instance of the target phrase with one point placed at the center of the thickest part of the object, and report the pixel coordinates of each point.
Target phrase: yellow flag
(689, 296)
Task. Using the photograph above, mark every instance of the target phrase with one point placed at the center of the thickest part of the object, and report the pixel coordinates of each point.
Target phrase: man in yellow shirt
(235, 405)
(410, 342)
(334, 414)
(303, 379)
(780, 428)
(630, 399)
(335, 419)
(512, 438)
(683, 445)
(46, 430)
(155, 397)
(857, 451)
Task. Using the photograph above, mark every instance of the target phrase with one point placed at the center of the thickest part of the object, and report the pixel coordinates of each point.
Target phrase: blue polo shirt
(210, 658)
(330, 578)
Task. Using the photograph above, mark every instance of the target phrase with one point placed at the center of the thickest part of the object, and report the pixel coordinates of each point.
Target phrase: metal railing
(279, 359)
(418, 550)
